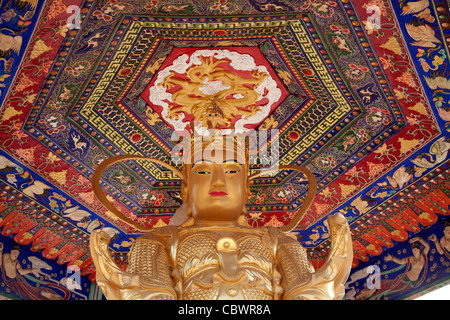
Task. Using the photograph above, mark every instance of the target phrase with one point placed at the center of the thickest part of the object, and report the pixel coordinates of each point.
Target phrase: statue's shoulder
(162, 234)
(281, 237)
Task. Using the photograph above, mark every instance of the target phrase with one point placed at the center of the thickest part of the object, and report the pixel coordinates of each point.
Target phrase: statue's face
(217, 191)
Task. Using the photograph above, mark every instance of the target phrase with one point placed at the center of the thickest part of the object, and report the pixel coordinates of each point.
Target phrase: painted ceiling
(357, 91)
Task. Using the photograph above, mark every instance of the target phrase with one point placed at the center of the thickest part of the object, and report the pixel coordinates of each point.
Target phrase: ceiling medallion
(227, 87)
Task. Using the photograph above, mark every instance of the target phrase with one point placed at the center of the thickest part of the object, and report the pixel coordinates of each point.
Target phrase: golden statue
(210, 251)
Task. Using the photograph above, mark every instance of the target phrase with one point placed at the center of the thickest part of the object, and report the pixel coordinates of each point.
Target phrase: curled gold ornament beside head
(312, 190)
(101, 196)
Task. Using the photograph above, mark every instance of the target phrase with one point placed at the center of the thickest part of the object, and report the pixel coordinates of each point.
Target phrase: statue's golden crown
(215, 138)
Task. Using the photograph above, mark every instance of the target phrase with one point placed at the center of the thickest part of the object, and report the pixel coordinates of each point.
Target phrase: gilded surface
(213, 253)
(222, 263)
(212, 266)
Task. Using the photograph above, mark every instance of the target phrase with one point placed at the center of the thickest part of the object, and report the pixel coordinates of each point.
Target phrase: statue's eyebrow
(206, 160)
(232, 160)
(201, 160)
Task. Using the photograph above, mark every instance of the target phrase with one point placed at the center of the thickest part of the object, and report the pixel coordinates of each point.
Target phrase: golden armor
(210, 252)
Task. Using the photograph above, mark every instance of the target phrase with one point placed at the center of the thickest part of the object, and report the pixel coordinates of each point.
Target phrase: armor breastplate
(212, 266)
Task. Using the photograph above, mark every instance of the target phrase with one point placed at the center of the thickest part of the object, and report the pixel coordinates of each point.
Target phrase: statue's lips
(218, 193)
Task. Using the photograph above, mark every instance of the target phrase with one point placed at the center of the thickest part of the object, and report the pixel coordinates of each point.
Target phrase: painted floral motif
(356, 72)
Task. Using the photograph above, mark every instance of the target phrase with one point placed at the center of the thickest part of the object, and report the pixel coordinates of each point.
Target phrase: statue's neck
(210, 223)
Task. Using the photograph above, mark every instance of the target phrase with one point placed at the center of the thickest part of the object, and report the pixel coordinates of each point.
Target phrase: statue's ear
(242, 221)
(183, 216)
(247, 189)
(184, 185)
(180, 215)
(189, 218)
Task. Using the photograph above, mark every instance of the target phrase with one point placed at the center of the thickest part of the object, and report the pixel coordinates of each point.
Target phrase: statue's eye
(203, 172)
(231, 168)
(232, 171)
